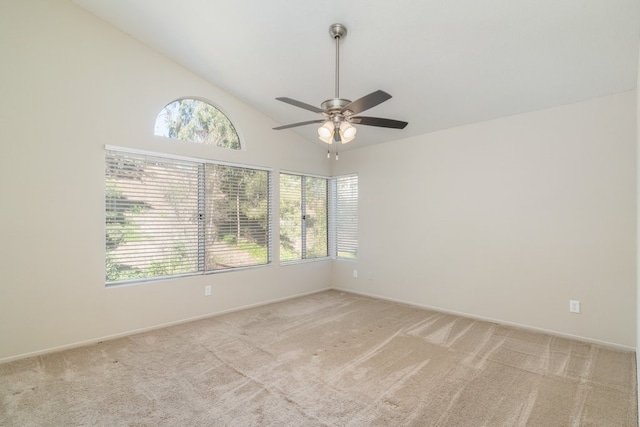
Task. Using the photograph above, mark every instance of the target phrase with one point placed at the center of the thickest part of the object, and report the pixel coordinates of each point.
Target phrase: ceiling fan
(340, 114)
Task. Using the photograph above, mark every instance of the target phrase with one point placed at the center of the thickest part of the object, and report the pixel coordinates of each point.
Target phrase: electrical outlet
(207, 291)
(355, 273)
(574, 306)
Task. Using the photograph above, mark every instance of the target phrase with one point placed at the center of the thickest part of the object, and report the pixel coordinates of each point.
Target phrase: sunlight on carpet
(328, 359)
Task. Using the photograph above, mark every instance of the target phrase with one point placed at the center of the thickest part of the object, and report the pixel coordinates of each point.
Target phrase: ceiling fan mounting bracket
(338, 31)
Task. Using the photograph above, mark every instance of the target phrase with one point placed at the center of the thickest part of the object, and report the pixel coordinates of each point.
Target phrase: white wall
(511, 218)
(638, 233)
(69, 85)
(507, 219)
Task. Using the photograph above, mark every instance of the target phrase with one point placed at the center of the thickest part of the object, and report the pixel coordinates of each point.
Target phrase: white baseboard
(151, 328)
(488, 319)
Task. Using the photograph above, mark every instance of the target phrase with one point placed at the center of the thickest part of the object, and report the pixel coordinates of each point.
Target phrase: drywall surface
(507, 219)
(72, 84)
(638, 234)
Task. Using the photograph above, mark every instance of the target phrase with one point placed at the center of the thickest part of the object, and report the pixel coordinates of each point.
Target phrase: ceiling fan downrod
(338, 31)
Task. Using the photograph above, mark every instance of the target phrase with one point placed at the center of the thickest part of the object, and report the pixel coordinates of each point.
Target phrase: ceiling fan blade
(293, 125)
(300, 104)
(367, 101)
(379, 122)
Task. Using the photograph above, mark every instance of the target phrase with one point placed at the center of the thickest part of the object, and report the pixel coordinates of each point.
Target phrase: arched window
(193, 120)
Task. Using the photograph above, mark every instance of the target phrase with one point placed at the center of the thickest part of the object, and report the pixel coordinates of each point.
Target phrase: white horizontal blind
(290, 217)
(151, 217)
(167, 217)
(303, 217)
(346, 216)
(315, 217)
(237, 220)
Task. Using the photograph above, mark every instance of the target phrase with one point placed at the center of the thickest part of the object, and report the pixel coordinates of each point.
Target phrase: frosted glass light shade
(347, 132)
(325, 132)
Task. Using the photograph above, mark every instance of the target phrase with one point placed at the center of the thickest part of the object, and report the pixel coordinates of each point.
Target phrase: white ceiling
(446, 63)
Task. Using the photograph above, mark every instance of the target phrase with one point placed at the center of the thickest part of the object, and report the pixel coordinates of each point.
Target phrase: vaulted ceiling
(446, 63)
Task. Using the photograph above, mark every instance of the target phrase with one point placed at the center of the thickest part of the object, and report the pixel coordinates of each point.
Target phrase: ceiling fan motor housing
(334, 109)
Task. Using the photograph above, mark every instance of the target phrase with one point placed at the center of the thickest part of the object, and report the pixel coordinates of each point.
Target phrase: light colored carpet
(333, 359)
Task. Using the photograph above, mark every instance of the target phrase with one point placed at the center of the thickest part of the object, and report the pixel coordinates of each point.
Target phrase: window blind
(315, 216)
(168, 217)
(303, 217)
(290, 217)
(346, 216)
(237, 221)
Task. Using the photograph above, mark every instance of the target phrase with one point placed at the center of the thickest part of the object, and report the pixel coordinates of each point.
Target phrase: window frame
(161, 115)
(303, 258)
(201, 162)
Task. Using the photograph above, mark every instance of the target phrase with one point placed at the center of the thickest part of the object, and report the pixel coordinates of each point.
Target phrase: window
(169, 216)
(345, 214)
(303, 217)
(196, 121)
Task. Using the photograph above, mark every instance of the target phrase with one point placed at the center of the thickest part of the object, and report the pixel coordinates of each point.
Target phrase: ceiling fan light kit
(347, 132)
(339, 113)
(325, 132)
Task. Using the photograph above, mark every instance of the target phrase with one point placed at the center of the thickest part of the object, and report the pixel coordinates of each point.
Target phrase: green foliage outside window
(303, 217)
(197, 121)
(167, 217)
